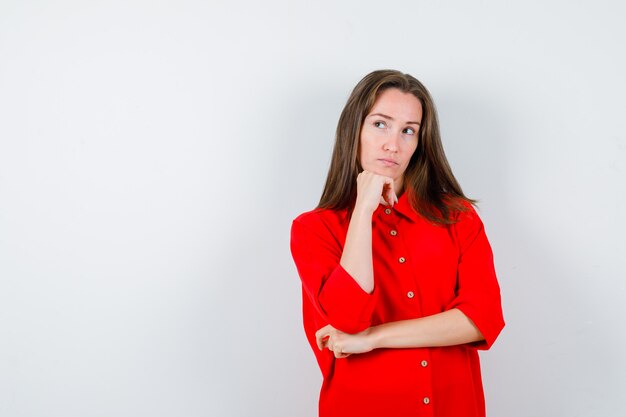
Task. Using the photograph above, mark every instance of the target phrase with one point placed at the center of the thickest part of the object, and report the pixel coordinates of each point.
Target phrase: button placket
(425, 396)
(398, 243)
(402, 260)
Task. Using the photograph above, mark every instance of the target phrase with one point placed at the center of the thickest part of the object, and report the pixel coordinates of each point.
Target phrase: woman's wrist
(360, 210)
(374, 335)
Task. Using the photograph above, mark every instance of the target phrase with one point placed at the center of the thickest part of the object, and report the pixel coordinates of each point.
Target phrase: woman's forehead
(397, 105)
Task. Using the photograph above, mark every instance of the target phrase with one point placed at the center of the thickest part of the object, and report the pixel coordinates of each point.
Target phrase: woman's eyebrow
(384, 116)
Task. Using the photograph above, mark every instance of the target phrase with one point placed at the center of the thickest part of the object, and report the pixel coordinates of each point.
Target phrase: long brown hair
(434, 192)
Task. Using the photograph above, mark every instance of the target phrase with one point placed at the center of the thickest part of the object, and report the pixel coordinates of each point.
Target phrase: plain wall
(154, 153)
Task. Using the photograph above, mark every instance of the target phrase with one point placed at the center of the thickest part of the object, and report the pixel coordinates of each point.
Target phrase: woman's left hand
(343, 344)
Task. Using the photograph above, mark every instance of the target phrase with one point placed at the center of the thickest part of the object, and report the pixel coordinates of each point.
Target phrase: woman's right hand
(356, 259)
(372, 190)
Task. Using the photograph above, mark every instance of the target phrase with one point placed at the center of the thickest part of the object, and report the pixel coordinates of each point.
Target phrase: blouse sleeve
(334, 293)
(478, 292)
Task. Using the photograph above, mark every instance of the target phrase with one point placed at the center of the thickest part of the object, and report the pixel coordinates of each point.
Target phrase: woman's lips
(388, 162)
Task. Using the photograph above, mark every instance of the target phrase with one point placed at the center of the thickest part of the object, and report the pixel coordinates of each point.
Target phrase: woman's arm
(473, 316)
(338, 280)
(356, 258)
(449, 328)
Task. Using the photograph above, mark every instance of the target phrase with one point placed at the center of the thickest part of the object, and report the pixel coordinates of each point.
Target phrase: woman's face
(389, 134)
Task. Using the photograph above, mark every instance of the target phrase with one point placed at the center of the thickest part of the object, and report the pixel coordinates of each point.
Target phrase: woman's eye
(409, 131)
(379, 125)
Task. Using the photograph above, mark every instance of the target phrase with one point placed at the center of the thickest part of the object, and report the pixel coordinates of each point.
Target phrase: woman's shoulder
(467, 223)
(461, 209)
(322, 217)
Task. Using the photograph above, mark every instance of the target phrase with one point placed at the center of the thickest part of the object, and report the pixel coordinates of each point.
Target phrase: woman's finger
(389, 194)
(322, 341)
(387, 189)
(337, 351)
(321, 336)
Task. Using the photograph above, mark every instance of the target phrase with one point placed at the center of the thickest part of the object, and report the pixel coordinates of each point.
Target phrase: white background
(154, 153)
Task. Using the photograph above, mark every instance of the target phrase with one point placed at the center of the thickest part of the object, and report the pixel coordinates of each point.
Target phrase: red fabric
(444, 269)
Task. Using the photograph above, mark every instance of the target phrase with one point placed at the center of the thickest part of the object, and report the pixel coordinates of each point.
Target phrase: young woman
(399, 286)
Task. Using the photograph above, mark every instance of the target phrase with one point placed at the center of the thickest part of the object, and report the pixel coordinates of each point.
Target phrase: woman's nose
(391, 142)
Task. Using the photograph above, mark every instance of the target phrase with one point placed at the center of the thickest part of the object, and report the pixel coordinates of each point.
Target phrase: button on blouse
(420, 269)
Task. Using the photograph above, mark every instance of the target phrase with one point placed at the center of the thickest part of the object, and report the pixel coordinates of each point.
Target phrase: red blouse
(420, 269)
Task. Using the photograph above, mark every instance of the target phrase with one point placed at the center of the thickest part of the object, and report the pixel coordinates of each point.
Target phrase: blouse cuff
(489, 325)
(346, 305)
